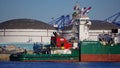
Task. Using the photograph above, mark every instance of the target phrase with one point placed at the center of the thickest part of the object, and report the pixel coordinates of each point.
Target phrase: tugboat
(106, 49)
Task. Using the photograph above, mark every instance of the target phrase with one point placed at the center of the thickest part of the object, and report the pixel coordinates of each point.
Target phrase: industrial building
(97, 27)
(102, 27)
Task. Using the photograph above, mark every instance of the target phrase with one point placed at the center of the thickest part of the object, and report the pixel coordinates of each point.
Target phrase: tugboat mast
(81, 21)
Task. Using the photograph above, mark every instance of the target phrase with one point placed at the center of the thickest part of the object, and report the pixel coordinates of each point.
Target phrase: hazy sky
(44, 10)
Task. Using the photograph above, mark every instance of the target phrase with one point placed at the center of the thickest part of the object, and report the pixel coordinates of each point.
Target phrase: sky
(44, 10)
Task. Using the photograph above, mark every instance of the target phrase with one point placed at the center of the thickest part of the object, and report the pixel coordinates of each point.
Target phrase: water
(59, 64)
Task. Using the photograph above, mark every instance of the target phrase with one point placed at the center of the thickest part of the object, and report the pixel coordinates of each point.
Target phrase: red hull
(100, 57)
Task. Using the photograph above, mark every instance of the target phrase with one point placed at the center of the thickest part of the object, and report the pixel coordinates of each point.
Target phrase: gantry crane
(61, 21)
(115, 19)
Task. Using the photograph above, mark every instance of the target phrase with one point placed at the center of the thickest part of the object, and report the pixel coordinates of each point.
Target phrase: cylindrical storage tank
(25, 30)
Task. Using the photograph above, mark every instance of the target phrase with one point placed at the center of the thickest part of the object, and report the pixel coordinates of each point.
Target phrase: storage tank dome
(25, 24)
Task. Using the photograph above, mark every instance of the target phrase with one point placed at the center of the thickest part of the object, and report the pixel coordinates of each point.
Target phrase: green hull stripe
(94, 47)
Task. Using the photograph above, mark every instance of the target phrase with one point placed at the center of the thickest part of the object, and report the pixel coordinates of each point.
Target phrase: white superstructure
(83, 28)
(84, 25)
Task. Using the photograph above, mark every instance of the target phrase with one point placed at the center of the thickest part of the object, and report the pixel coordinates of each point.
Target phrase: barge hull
(50, 60)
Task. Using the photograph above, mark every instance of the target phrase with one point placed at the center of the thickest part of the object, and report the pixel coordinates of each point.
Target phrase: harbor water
(9, 64)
